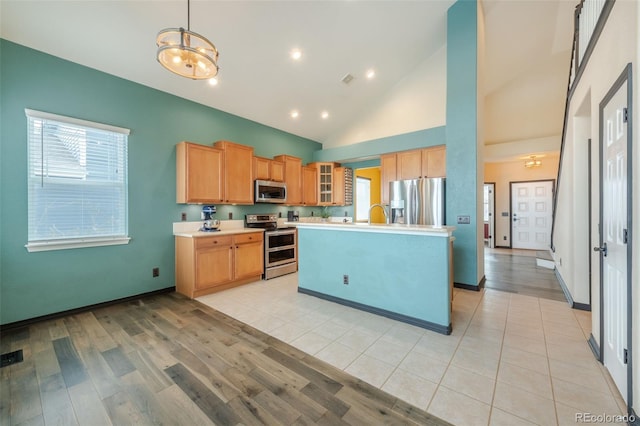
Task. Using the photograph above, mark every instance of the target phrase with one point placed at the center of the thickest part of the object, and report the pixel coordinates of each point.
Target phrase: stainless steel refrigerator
(417, 201)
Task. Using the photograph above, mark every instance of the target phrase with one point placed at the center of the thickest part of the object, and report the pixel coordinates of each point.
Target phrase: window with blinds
(77, 184)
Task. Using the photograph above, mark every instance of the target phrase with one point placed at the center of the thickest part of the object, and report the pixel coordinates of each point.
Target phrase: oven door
(280, 247)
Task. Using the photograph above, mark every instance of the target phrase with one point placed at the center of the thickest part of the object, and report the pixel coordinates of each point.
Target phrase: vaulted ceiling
(527, 54)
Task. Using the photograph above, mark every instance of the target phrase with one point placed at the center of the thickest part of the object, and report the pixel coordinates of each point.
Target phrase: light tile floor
(510, 360)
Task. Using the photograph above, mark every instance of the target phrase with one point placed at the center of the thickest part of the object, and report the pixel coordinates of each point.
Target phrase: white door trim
(625, 77)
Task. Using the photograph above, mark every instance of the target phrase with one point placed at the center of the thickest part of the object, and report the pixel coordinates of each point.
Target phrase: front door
(531, 207)
(614, 236)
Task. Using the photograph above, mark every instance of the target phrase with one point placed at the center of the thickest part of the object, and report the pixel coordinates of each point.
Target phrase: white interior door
(531, 207)
(614, 240)
(489, 218)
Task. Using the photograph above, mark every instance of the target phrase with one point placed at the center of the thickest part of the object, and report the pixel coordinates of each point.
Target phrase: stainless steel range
(280, 251)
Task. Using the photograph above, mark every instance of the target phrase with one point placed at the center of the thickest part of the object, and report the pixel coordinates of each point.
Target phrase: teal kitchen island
(404, 272)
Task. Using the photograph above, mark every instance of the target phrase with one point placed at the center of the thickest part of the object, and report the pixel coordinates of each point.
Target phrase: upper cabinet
(238, 172)
(414, 164)
(436, 161)
(388, 173)
(262, 168)
(292, 177)
(309, 186)
(324, 181)
(267, 169)
(409, 165)
(199, 177)
(277, 171)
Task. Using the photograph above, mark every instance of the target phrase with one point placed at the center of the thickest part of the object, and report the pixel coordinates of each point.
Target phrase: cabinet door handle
(215, 242)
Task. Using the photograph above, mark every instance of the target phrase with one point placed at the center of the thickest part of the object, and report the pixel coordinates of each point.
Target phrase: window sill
(73, 244)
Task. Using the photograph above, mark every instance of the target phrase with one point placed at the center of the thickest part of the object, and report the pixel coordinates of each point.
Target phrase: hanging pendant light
(186, 53)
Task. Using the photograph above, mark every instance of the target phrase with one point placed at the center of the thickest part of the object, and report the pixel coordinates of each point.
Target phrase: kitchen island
(402, 272)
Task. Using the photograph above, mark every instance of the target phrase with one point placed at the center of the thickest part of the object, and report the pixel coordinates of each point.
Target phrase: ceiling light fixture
(213, 81)
(532, 162)
(294, 114)
(296, 54)
(324, 115)
(371, 73)
(186, 53)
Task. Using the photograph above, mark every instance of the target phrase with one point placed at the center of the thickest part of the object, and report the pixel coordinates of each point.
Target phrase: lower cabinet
(213, 263)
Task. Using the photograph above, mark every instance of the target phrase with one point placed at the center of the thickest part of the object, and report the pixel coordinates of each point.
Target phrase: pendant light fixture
(186, 53)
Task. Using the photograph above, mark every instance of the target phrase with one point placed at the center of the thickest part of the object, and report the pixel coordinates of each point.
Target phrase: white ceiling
(258, 79)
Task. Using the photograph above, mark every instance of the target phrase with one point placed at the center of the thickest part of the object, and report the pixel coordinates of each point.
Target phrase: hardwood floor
(516, 272)
(169, 360)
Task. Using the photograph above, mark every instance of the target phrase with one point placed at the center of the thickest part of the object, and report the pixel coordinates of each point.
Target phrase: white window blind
(77, 184)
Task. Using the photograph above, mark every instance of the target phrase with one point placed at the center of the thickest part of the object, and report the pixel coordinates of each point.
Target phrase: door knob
(602, 249)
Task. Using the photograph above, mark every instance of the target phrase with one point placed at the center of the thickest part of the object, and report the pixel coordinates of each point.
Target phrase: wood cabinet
(309, 186)
(261, 168)
(292, 177)
(409, 164)
(267, 169)
(277, 171)
(414, 164)
(238, 172)
(324, 182)
(213, 263)
(436, 161)
(249, 256)
(339, 186)
(199, 177)
(388, 167)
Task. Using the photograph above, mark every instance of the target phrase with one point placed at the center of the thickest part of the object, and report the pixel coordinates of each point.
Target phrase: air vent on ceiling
(347, 79)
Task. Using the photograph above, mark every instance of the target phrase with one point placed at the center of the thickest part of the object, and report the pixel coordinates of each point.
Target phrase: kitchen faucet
(384, 210)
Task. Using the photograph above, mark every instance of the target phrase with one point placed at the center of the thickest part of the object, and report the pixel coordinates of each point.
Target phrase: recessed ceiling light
(296, 54)
(213, 81)
(324, 115)
(295, 114)
(371, 73)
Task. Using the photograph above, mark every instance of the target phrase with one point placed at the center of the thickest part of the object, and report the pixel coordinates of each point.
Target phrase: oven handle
(284, 232)
(270, 250)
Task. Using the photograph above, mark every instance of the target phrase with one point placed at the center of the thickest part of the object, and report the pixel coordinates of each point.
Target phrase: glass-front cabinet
(325, 182)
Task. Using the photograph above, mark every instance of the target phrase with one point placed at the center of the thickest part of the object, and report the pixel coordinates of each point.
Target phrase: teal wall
(36, 284)
(461, 135)
(405, 274)
(403, 142)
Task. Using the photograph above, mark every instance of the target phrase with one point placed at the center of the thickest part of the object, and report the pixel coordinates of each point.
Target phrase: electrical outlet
(504, 237)
(464, 220)
(155, 272)
(345, 279)
(183, 216)
(230, 215)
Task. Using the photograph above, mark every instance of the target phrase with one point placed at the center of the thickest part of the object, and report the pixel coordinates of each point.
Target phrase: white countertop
(396, 228)
(198, 234)
(227, 227)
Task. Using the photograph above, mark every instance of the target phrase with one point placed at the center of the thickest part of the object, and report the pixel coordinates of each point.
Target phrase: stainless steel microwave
(267, 191)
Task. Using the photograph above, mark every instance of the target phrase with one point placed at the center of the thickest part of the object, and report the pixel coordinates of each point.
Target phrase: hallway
(515, 271)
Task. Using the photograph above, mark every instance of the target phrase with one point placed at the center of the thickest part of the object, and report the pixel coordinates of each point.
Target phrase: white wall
(617, 46)
(417, 102)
